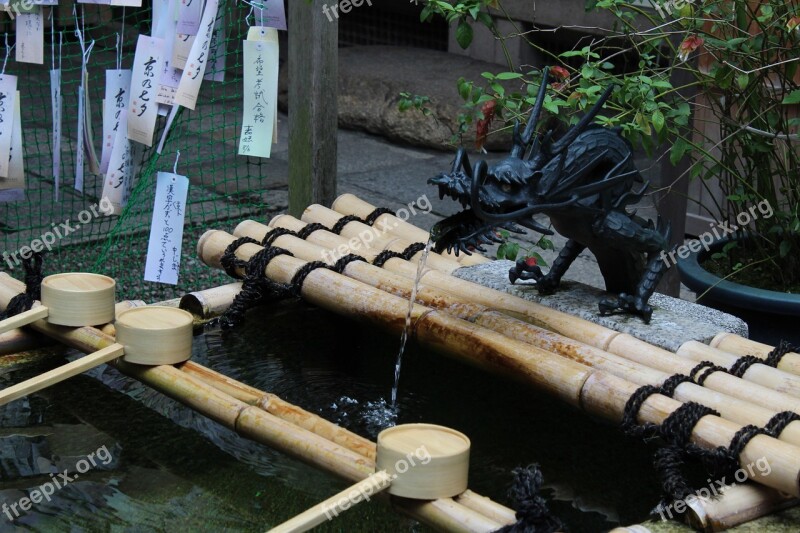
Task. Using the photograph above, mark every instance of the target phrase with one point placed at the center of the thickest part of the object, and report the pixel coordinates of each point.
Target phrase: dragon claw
(628, 304)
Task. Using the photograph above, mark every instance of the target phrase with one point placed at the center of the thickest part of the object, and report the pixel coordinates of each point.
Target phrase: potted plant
(734, 116)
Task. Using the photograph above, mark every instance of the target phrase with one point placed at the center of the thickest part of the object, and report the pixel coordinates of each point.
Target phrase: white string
(52, 40)
(119, 52)
(8, 54)
(121, 40)
(175, 167)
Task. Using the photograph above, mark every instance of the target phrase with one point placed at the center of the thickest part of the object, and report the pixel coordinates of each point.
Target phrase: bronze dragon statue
(584, 182)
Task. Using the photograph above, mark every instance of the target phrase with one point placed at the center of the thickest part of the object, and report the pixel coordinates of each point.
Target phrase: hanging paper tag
(56, 102)
(126, 3)
(260, 96)
(272, 14)
(79, 155)
(166, 231)
(216, 67)
(115, 111)
(88, 134)
(198, 58)
(143, 111)
(190, 12)
(8, 93)
(30, 37)
(181, 50)
(16, 163)
(116, 185)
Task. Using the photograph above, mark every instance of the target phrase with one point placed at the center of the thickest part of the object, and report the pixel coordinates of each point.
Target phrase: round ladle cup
(418, 461)
(145, 336)
(72, 299)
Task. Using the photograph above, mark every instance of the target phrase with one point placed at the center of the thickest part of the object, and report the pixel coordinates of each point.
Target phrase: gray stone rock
(371, 79)
(674, 321)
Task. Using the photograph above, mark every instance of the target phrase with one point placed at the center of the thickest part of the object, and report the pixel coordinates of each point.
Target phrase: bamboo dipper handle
(61, 373)
(23, 319)
(330, 508)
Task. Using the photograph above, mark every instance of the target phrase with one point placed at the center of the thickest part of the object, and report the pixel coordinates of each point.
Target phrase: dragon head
(513, 190)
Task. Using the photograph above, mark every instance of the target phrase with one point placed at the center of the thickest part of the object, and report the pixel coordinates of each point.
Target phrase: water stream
(404, 337)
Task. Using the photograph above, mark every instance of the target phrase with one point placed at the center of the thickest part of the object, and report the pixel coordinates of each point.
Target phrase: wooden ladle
(145, 336)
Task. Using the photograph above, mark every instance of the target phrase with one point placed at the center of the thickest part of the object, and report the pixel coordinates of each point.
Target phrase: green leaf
(464, 34)
(742, 80)
(509, 76)
(792, 98)
(678, 150)
(658, 121)
(786, 247)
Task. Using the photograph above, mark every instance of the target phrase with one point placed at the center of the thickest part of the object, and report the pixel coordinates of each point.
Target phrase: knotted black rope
(342, 222)
(677, 429)
(704, 369)
(309, 229)
(33, 287)
(743, 364)
(406, 254)
(372, 217)
(256, 287)
(775, 356)
(533, 515)
(778, 423)
(270, 237)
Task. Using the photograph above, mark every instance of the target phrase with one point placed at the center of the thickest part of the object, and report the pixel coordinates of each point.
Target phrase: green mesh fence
(225, 188)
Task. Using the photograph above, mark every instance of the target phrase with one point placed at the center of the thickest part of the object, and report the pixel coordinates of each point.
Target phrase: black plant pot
(771, 315)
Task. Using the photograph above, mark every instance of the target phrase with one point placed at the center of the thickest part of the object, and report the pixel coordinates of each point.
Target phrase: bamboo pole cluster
(266, 418)
(595, 391)
(443, 296)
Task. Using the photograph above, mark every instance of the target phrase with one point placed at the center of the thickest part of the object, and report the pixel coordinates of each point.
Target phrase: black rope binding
(372, 217)
(309, 229)
(743, 364)
(676, 431)
(704, 369)
(270, 237)
(533, 515)
(778, 423)
(256, 287)
(406, 254)
(342, 222)
(33, 287)
(775, 356)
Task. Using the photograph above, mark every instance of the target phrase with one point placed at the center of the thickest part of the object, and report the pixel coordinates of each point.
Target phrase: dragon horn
(520, 147)
(569, 137)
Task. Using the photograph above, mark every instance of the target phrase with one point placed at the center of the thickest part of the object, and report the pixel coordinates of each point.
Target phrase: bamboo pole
(362, 236)
(760, 373)
(731, 408)
(597, 392)
(209, 303)
(735, 507)
(256, 424)
(620, 344)
(732, 343)
(349, 204)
